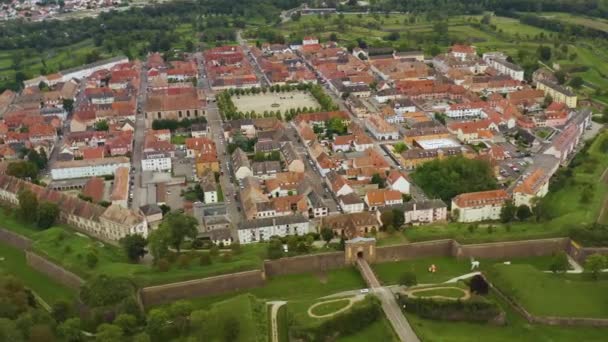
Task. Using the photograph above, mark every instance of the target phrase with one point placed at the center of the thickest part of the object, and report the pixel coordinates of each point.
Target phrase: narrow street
(140, 194)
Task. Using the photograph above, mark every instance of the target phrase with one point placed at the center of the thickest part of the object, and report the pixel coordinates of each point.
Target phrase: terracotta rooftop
(481, 198)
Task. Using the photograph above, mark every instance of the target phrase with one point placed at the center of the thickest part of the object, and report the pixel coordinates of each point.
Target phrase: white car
(364, 291)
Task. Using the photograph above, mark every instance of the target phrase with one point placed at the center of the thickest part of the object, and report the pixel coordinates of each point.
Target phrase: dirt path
(274, 309)
(466, 296)
(352, 300)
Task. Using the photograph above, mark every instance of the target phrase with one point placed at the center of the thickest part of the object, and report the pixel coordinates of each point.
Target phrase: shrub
(408, 279)
(214, 251)
(204, 259)
(476, 309)
(226, 257)
(183, 261)
(163, 265)
(478, 285)
(92, 260)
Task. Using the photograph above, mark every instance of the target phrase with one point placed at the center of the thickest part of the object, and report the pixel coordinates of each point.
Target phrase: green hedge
(476, 309)
(358, 317)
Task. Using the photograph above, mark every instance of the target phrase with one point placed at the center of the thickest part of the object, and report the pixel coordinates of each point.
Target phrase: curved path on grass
(466, 293)
(352, 300)
(274, 309)
(464, 276)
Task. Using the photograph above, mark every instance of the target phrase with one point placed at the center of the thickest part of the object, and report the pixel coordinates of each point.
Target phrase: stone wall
(54, 271)
(512, 249)
(162, 294)
(414, 250)
(304, 264)
(14, 240)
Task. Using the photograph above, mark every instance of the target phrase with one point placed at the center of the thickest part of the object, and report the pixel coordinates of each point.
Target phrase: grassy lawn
(13, 262)
(380, 330)
(547, 294)
(246, 310)
(389, 272)
(283, 324)
(297, 287)
(70, 249)
(178, 139)
(517, 329)
(330, 307)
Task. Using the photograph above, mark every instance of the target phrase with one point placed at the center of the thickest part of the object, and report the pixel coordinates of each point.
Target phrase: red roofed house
(382, 197)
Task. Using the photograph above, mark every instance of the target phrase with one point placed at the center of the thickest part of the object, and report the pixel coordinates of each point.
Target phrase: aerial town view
(303, 170)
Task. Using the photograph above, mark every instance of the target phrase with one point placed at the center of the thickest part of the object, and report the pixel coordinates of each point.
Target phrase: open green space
(70, 250)
(593, 22)
(13, 262)
(380, 330)
(517, 329)
(547, 294)
(178, 139)
(283, 324)
(446, 268)
(330, 307)
(246, 310)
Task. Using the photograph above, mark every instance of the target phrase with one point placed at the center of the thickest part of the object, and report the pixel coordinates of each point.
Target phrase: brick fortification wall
(53, 270)
(162, 294)
(15, 240)
(414, 250)
(512, 249)
(304, 264)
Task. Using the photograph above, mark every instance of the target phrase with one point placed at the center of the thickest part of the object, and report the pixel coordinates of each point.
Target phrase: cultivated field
(260, 103)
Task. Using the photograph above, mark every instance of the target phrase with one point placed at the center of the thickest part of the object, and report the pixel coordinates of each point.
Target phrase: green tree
(508, 212)
(92, 259)
(9, 331)
(41, 332)
(141, 337)
(109, 333)
(559, 263)
(179, 226)
(158, 243)
(576, 82)
(523, 212)
(327, 234)
(156, 322)
(104, 290)
(70, 330)
(102, 125)
(399, 147)
(134, 246)
(595, 263)
(68, 105)
(408, 279)
(28, 205)
(275, 249)
(449, 177)
(126, 322)
(544, 52)
(22, 169)
(377, 179)
(61, 311)
(48, 212)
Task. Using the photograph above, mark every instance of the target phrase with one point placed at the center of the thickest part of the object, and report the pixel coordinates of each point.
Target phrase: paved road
(140, 194)
(264, 81)
(389, 304)
(274, 309)
(216, 133)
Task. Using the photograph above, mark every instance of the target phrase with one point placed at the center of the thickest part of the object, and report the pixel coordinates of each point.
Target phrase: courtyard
(282, 101)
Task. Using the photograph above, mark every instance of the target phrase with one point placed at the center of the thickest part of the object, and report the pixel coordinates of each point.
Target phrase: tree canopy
(452, 176)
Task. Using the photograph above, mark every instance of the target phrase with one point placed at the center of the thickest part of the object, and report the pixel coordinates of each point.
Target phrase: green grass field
(547, 294)
(246, 310)
(14, 263)
(69, 249)
(517, 329)
(380, 330)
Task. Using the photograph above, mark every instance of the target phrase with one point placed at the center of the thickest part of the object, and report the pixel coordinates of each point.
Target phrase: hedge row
(476, 309)
(358, 317)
